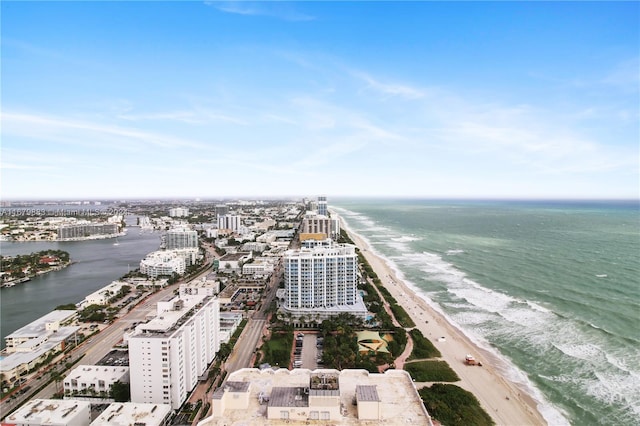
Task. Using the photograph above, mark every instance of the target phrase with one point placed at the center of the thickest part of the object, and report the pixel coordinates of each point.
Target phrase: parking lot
(306, 352)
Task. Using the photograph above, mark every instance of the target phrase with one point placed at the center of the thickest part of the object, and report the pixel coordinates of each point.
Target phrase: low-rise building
(102, 296)
(90, 382)
(51, 412)
(35, 342)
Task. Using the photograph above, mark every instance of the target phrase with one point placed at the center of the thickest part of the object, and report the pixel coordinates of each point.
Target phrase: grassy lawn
(277, 351)
(422, 347)
(453, 406)
(431, 371)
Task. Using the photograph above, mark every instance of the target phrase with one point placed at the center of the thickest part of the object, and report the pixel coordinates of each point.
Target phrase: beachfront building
(178, 212)
(30, 345)
(318, 227)
(169, 354)
(321, 280)
(130, 413)
(348, 397)
(86, 230)
(322, 206)
(51, 412)
(94, 382)
(181, 238)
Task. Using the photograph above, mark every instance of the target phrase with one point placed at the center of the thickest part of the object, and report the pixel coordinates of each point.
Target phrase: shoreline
(505, 401)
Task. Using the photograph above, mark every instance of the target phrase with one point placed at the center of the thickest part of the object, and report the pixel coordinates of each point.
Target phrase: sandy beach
(504, 401)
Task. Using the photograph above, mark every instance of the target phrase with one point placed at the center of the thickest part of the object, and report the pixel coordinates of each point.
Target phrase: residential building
(166, 262)
(231, 222)
(181, 238)
(322, 206)
(89, 382)
(51, 412)
(321, 280)
(319, 227)
(168, 354)
(102, 296)
(86, 230)
(179, 212)
(349, 397)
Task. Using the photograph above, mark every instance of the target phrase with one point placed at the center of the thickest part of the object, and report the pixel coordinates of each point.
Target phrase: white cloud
(279, 10)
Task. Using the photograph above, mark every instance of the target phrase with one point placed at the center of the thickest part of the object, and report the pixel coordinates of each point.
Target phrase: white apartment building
(231, 222)
(322, 206)
(180, 238)
(168, 354)
(94, 381)
(159, 263)
(178, 212)
(321, 280)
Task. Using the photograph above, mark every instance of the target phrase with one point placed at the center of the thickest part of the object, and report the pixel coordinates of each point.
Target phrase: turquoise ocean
(551, 288)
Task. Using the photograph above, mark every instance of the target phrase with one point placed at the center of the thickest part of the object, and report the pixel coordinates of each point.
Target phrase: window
(284, 415)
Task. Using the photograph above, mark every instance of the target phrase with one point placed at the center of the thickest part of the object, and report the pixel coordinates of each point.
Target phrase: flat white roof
(48, 411)
(167, 320)
(37, 327)
(15, 359)
(86, 373)
(129, 413)
(396, 392)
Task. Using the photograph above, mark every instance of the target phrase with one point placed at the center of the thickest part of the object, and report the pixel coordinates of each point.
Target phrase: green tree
(120, 392)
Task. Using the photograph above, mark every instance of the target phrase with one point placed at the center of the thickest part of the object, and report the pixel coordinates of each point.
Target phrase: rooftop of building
(230, 257)
(37, 328)
(97, 372)
(130, 413)
(47, 411)
(166, 322)
(14, 359)
(394, 390)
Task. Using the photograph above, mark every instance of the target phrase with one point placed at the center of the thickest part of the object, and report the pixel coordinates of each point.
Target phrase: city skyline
(219, 99)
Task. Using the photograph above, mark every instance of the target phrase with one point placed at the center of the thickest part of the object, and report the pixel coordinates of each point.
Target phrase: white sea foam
(454, 252)
(406, 239)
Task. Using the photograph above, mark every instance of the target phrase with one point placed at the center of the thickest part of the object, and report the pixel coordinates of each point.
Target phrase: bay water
(551, 288)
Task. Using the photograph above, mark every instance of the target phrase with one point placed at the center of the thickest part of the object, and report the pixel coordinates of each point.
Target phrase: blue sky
(223, 99)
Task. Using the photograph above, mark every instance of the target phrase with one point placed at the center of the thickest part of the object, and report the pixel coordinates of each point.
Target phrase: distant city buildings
(178, 212)
(221, 210)
(322, 206)
(167, 262)
(86, 230)
(230, 222)
(168, 354)
(180, 238)
(321, 280)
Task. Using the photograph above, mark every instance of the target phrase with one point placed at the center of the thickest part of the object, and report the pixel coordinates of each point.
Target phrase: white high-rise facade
(179, 238)
(168, 354)
(322, 206)
(178, 212)
(231, 222)
(322, 280)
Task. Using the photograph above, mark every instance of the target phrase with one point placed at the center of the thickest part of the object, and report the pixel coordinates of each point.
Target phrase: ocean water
(552, 288)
